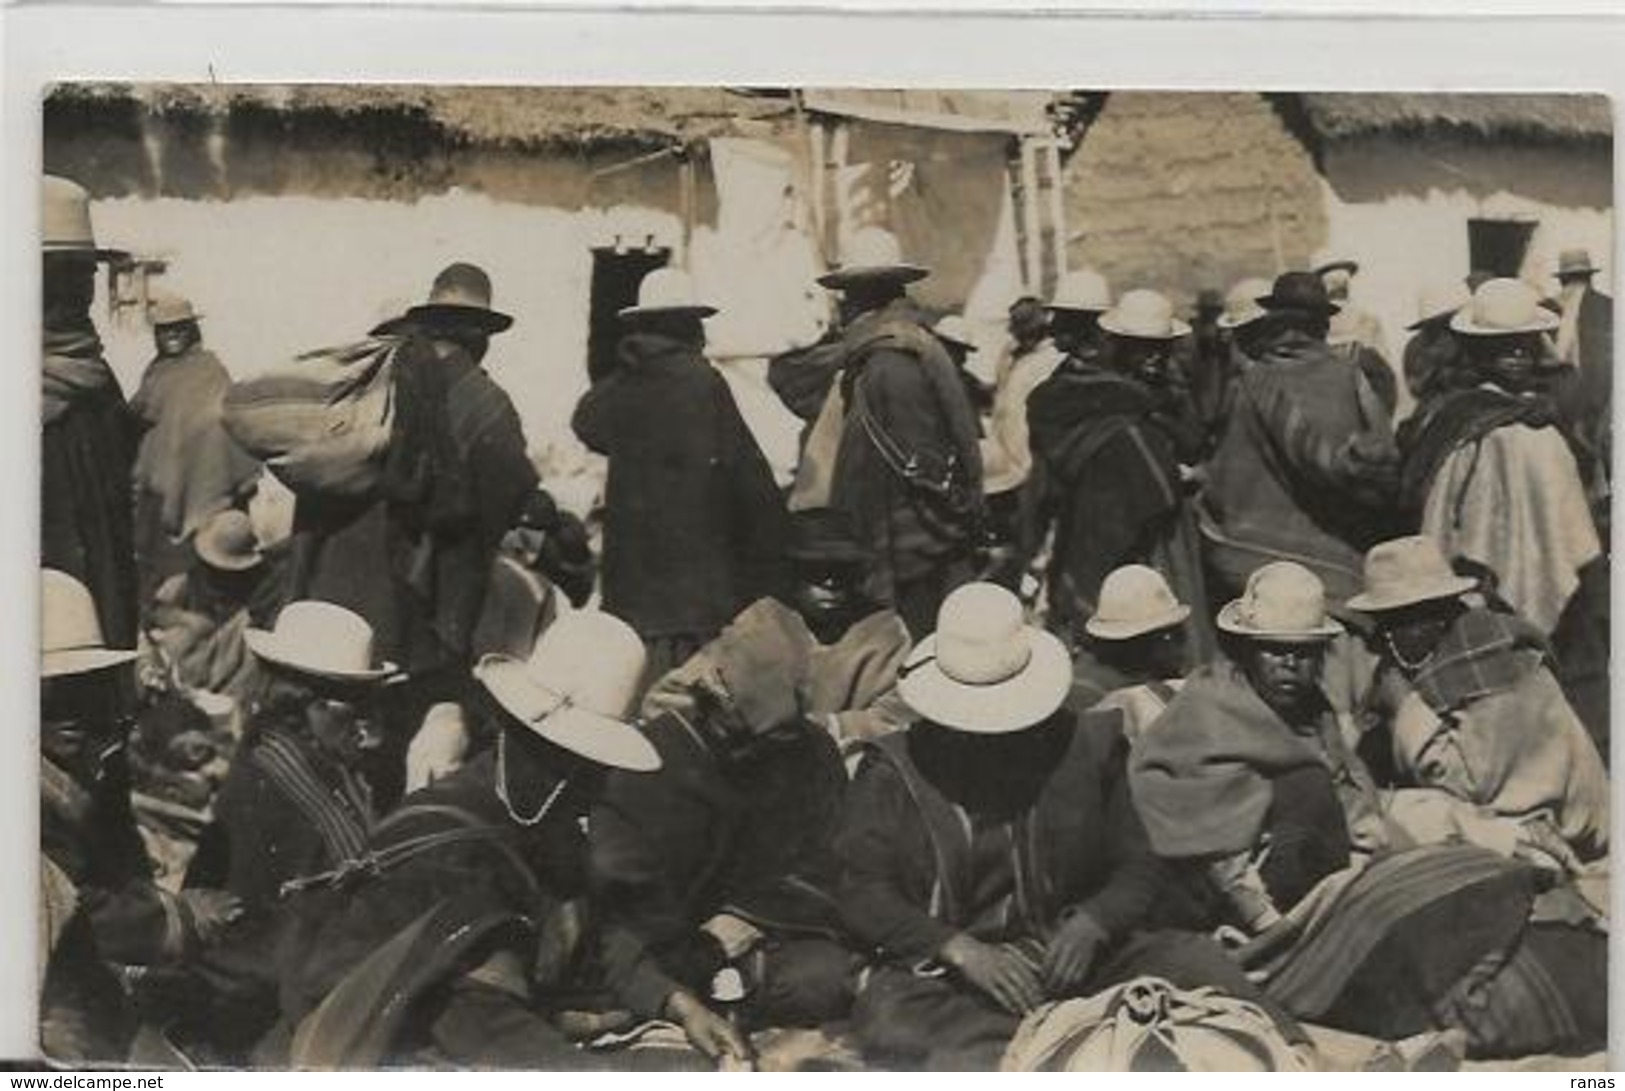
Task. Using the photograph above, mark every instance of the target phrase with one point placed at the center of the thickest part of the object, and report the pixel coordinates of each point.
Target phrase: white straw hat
(985, 671)
(1144, 314)
(65, 221)
(1503, 306)
(1135, 600)
(71, 638)
(321, 639)
(577, 689)
(873, 254)
(668, 292)
(1406, 571)
(954, 328)
(1241, 304)
(1082, 290)
(1284, 602)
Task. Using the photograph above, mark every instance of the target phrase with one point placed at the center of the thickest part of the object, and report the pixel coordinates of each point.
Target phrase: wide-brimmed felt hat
(826, 535)
(667, 293)
(1283, 603)
(873, 254)
(322, 640)
(956, 331)
(1502, 307)
(1346, 265)
(985, 671)
(1085, 290)
(1440, 302)
(1407, 571)
(71, 640)
(1145, 315)
(1241, 307)
(226, 541)
(1299, 291)
(460, 296)
(1575, 262)
(65, 221)
(577, 688)
(171, 310)
(1135, 600)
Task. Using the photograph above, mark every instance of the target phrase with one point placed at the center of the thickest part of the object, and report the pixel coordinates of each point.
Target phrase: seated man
(991, 855)
(1483, 738)
(1133, 652)
(1248, 787)
(722, 859)
(465, 916)
(98, 864)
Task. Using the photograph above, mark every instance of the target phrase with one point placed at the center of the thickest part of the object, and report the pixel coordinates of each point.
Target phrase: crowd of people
(1170, 654)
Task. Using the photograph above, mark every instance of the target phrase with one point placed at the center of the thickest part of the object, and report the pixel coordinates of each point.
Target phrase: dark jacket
(1587, 397)
(906, 412)
(909, 880)
(86, 517)
(416, 559)
(671, 849)
(694, 527)
(1306, 470)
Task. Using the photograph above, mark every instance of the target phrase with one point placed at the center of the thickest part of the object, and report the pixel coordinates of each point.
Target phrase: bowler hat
(956, 331)
(227, 542)
(171, 310)
(1084, 290)
(323, 640)
(1135, 600)
(1241, 304)
(1283, 603)
(1298, 291)
(1144, 314)
(825, 535)
(1346, 265)
(1501, 307)
(1406, 571)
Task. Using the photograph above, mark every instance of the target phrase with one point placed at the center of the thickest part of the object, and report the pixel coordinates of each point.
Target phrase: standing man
(694, 527)
(88, 449)
(187, 468)
(415, 556)
(1306, 468)
(908, 469)
(1585, 340)
(1113, 439)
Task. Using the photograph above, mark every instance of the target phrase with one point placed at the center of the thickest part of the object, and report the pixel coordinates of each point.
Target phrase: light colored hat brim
(459, 314)
(265, 645)
(1023, 701)
(1230, 621)
(1579, 270)
(1435, 317)
(1367, 603)
(695, 310)
(1225, 322)
(226, 562)
(598, 738)
(855, 274)
(1463, 323)
(1349, 265)
(60, 664)
(1077, 308)
(1176, 330)
(1128, 630)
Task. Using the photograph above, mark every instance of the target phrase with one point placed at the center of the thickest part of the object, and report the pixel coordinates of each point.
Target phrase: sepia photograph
(679, 578)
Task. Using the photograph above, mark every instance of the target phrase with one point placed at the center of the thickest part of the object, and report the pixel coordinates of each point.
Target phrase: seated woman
(1485, 745)
(1249, 788)
(991, 855)
(1133, 655)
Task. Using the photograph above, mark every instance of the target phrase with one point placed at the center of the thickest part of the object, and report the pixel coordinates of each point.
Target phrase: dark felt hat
(1298, 291)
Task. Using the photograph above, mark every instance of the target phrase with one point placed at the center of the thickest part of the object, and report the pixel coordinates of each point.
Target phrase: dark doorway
(1498, 246)
(616, 275)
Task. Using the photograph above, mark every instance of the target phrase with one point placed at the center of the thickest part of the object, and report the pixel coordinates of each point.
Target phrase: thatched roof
(529, 117)
(1534, 118)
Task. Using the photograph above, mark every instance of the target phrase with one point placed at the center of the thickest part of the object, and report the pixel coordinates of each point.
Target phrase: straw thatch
(1532, 118)
(528, 117)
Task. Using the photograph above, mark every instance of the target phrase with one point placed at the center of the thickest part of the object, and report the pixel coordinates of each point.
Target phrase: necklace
(502, 789)
(1409, 666)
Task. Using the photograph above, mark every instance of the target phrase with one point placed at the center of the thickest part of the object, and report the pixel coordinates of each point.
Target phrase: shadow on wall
(1375, 169)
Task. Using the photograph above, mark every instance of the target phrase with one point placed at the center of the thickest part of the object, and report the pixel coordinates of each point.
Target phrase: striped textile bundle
(1386, 946)
(322, 421)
